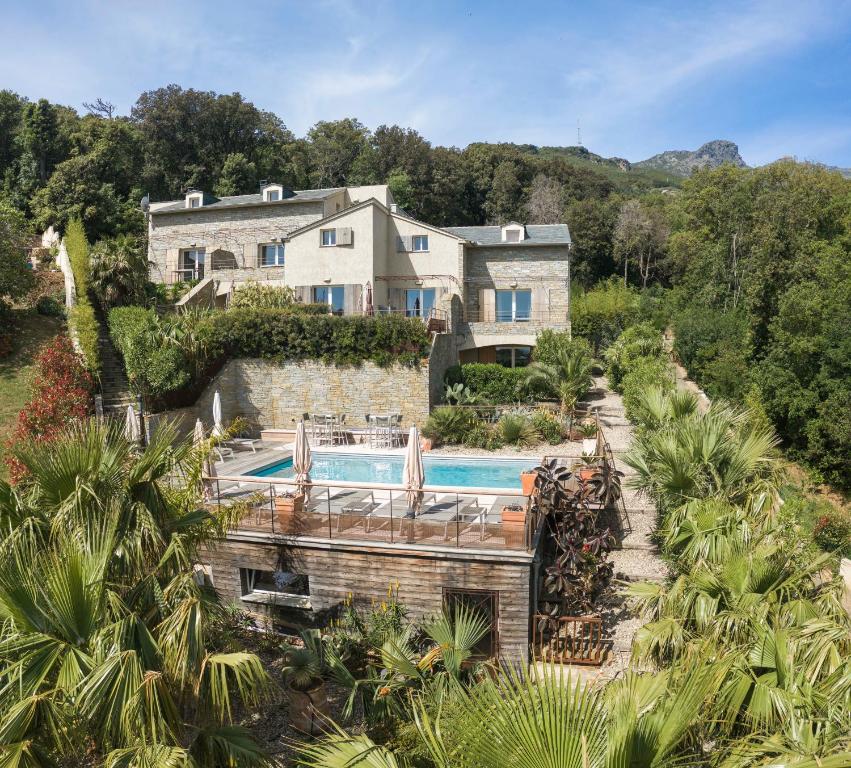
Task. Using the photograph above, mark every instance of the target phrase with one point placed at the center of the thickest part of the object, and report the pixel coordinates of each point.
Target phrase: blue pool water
(439, 470)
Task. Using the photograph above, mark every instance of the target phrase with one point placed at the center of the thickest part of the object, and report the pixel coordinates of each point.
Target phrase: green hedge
(171, 353)
(602, 314)
(492, 383)
(85, 327)
(647, 372)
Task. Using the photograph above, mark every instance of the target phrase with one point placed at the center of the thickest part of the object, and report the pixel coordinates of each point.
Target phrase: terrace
(373, 513)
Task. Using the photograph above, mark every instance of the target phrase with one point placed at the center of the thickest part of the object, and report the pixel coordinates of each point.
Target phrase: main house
(333, 245)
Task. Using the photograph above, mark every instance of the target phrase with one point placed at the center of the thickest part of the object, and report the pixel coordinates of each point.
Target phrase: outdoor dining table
(327, 428)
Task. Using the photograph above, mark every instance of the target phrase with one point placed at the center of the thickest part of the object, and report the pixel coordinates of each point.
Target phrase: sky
(635, 77)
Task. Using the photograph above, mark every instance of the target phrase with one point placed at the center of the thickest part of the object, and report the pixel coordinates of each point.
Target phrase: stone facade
(335, 571)
(543, 269)
(236, 232)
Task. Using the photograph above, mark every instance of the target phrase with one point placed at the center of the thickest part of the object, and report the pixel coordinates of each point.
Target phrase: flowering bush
(61, 394)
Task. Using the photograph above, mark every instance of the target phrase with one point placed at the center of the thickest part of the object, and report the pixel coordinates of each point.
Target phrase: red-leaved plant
(61, 394)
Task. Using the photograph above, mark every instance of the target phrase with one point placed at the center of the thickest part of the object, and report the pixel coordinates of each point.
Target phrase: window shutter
(400, 244)
(304, 294)
(541, 303)
(409, 243)
(344, 236)
(487, 305)
(352, 302)
(258, 256)
(397, 299)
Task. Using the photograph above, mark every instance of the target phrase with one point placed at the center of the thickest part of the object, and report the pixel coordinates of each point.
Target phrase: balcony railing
(378, 513)
(188, 274)
(549, 316)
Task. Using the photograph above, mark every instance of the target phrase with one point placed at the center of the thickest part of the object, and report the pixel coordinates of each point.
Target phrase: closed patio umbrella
(302, 460)
(208, 468)
(218, 429)
(413, 474)
(368, 308)
(131, 426)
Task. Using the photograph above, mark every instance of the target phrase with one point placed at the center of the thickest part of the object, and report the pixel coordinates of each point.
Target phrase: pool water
(376, 468)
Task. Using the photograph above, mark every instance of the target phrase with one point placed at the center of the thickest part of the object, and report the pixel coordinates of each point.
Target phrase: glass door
(332, 295)
(192, 264)
(419, 302)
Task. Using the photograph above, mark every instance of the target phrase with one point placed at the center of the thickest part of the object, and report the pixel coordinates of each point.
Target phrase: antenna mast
(578, 133)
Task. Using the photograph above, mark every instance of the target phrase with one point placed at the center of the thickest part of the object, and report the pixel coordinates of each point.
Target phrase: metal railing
(188, 274)
(468, 518)
(515, 318)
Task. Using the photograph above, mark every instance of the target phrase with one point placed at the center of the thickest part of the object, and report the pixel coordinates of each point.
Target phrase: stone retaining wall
(275, 395)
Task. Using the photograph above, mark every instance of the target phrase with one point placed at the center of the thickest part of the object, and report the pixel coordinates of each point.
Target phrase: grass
(16, 371)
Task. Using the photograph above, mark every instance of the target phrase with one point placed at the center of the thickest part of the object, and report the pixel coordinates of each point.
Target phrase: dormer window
(272, 193)
(194, 198)
(513, 232)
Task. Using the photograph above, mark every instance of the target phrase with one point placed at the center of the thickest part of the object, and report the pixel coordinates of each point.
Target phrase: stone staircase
(115, 389)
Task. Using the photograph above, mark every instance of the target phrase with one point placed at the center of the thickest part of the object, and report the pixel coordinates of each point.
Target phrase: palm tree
(569, 377)
(118, 271)
(105, 630)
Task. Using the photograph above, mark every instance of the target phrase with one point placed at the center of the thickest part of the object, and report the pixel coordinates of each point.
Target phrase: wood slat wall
(333, 574)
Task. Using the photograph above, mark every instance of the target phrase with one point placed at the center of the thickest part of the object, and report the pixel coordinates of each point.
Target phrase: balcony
(492, 328)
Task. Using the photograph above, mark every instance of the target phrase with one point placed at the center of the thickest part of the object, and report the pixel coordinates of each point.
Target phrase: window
(419, 302)
(514, 357)
(512, 235)
(329, 237)
(420, 243)
(276, 588)
(485, 603)
(272, 255)
(513, 306)
(191, 266)
(273, 195)
(332, 295)
(194, 202)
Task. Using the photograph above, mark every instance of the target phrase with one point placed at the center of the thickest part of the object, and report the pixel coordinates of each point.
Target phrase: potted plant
(527, 482)
(513, 514)
(588, 467)
(289, 503)
(308, 700)
(588, 430)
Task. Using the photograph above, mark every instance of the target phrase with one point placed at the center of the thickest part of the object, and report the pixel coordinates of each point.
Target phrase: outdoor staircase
(114, 386)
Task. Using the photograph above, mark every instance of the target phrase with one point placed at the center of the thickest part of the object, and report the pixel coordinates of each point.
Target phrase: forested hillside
(749, 266)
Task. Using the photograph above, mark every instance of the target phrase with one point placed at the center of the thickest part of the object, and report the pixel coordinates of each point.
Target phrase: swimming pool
(458, 471)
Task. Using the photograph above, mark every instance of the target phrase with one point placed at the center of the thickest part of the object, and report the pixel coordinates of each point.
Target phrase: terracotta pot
(309, 709)
(513, 516)
(290, 505)
(586, 473)
(527, 482)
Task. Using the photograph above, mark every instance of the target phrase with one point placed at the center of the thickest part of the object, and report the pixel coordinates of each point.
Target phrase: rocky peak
(683, 162)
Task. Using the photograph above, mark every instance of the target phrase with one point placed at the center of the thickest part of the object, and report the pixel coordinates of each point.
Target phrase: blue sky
(639, 77)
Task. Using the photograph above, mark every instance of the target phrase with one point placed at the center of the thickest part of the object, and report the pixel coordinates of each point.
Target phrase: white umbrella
(302, 460)
(208, 469)
(368, 309)
(413, 474)
(131, 426)
(218, 429)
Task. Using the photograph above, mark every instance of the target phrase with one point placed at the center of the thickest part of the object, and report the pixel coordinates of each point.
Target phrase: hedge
(157, 362)
(492, 383)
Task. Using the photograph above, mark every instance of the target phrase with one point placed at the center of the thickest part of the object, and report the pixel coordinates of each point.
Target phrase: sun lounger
(240, 442)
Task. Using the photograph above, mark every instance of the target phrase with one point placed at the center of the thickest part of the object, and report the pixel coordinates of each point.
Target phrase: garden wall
(275, 395)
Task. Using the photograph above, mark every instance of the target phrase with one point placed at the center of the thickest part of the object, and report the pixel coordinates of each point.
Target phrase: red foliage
(61, 394)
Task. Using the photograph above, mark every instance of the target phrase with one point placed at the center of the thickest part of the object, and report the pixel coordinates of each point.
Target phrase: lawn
(16, 371)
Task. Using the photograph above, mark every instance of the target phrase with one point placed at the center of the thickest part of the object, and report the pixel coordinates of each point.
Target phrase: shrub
(200, 340)
(118, 271)
(636, 342)
(517, 429)
(548, 426)
(833, 532)
(48, 306)
(61, 394)
(484, 437)
(648, 372)
(550, 345)
(78, 254)
(254, 295)
(86, 328)
(602, 314)
(492, 383)
(450, 425)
